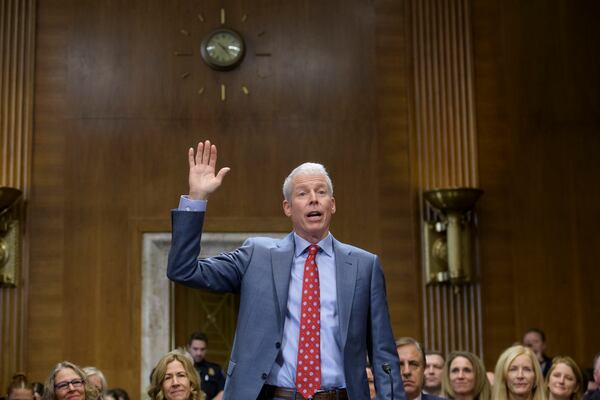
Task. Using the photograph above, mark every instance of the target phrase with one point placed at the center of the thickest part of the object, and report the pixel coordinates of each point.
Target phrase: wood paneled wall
(114, 120)
(114, 117)
(538, 104)
(17, 26)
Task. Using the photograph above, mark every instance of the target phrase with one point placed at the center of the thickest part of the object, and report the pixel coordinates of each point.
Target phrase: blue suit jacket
(260, 272)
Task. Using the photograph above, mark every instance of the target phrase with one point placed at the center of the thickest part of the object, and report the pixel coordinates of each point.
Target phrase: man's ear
(333, 208)
(287, 208)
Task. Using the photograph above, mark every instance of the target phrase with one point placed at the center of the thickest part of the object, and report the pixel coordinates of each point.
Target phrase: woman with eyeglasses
(68, 382)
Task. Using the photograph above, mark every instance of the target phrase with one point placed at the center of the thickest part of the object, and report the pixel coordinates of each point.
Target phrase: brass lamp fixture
(449, 238)
(9, 235)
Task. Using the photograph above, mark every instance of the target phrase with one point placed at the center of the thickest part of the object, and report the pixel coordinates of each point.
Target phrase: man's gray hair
(406, 340)
(303, 169)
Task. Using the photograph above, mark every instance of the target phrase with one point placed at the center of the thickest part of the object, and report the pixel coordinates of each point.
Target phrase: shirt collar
(326, 245)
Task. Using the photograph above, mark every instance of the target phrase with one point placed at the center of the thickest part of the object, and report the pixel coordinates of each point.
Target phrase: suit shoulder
(263, 241)
(353, 250)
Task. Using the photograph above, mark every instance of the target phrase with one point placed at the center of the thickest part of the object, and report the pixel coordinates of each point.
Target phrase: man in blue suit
(269, 275)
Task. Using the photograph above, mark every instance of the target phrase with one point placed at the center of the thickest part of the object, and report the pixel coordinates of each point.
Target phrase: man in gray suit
(273, 334)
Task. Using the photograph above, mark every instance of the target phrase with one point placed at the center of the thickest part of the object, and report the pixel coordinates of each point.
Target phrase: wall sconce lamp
(448, 237)
(9, 235)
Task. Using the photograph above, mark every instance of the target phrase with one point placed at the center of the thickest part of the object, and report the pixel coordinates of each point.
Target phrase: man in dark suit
(212, 379)
(412, 366)
(311, 308)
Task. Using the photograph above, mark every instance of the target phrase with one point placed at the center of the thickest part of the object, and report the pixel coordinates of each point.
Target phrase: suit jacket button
(264, 375)
(277, 345)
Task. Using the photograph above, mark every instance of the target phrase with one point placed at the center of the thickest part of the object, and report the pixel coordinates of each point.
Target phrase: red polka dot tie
(308, 368)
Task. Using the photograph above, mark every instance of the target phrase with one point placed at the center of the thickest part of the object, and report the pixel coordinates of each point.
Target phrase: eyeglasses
(76, 383)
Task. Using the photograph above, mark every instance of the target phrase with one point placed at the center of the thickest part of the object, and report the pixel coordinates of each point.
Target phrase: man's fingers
(191, 157)
(198, 158)
(222, 172)
(213, 156)
(206, 152)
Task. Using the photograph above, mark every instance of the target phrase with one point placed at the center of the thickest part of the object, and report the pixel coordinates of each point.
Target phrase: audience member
(371, 380)
(174, 378)
(518, 376)
(67, 381)
(212, 379)
(464, 377)
(564, 380)
(96, 378)
(412, 368)
(19, 388)
(535, 339)
(116, 394)
(434, 364)
(593, 389)
(38, 390)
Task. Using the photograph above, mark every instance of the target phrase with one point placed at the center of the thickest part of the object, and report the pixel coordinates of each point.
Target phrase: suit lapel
(282, 257)
(345, 275)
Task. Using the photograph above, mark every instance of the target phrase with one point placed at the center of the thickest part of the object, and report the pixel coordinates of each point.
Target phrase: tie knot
(312, 249)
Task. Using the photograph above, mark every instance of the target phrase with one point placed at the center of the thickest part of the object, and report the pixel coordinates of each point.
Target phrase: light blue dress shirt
(283, 373)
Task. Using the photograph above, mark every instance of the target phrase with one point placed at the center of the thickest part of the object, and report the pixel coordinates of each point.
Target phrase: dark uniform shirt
(212, 379)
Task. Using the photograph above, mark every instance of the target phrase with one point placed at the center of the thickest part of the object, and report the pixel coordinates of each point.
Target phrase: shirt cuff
(187, 204)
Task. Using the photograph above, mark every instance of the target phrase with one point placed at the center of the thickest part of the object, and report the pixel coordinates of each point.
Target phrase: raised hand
(202, 178)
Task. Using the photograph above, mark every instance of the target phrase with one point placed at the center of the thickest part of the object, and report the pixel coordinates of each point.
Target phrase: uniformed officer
(212, 379)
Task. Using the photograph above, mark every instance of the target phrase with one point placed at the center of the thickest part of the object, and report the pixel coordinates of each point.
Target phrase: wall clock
(223, 49)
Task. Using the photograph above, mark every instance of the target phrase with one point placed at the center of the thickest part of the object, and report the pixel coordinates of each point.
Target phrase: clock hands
(224, 49)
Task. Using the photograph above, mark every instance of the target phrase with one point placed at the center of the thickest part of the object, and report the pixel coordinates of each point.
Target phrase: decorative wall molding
(17, 34)
(157, 332)
(446, 152)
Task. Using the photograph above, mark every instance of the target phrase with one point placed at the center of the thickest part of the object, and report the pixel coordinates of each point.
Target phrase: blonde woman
(518, 376)
(174, 378)
(564, 380)
(464, 377)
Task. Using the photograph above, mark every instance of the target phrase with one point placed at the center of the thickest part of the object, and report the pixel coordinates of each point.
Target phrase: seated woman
(518, 376)
(464, 377)
(19, 388)
(174, 378)
(564, 380)
(68, 381)
(116, 394)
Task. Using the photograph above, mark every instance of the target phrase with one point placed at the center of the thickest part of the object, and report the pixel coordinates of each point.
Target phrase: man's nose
(405, 369)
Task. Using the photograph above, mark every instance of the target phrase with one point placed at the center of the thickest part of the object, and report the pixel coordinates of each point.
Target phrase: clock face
(222, 49)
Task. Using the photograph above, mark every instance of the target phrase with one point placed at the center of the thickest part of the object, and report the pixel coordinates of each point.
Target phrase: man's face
(412, 370)
(433, 372)
(198, 350)
(310, 207)
(597, 371)
(534, 341)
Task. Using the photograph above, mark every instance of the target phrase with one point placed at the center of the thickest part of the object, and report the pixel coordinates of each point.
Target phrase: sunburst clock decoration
(222, 49)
